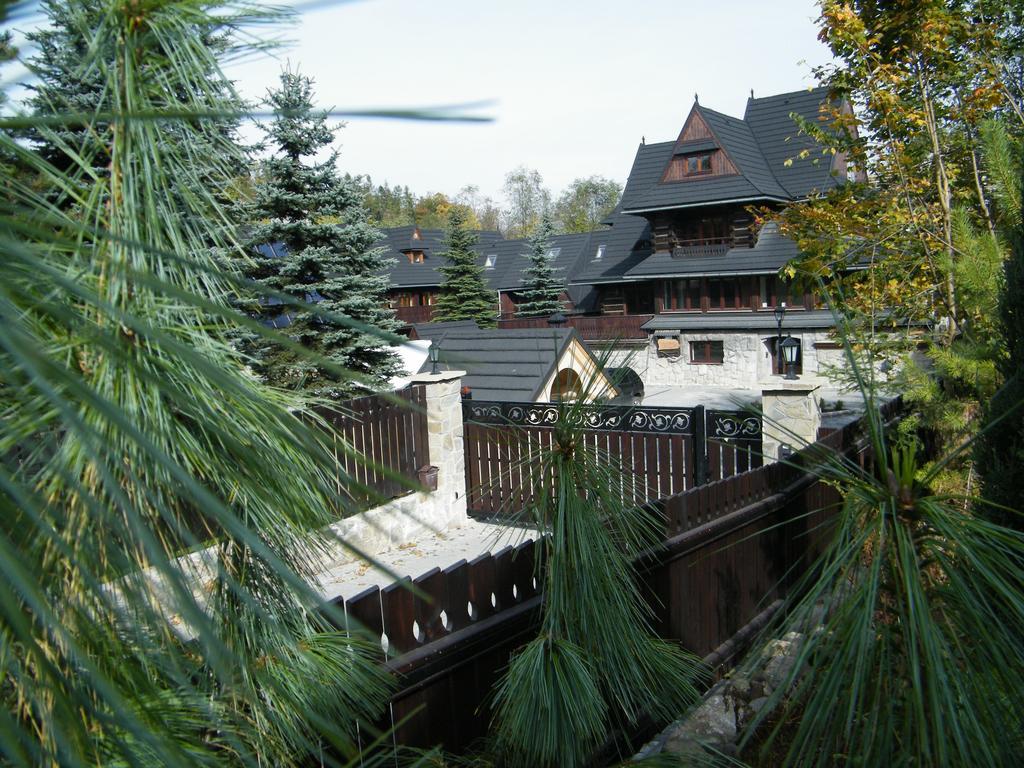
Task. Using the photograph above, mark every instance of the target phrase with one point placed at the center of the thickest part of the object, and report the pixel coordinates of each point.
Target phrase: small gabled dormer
(697, 152)
(415, 251)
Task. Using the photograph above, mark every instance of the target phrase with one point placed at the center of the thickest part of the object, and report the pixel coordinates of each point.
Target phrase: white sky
(575, 83)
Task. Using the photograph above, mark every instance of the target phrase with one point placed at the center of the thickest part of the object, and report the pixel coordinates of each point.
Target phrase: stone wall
(404, 519)
(747, 361)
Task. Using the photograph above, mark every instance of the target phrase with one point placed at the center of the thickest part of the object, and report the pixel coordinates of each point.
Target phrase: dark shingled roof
(779, 139)
(405, 274)
(627, 243)
(741, 321)
(758, 145)
(510, 365)
(768, 256)
(644, 190)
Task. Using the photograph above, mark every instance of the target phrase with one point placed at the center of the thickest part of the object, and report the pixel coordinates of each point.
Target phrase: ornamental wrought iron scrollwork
(677, 421)
(738, 426)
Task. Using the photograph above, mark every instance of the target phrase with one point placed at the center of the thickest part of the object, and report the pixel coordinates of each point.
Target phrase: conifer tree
(999, 452)
(322, 242)
(464, 293)
(541, 289)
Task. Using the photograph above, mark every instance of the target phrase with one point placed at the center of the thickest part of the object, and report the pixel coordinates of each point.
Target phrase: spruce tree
(541, 289)
(465, 294)
(323, 243)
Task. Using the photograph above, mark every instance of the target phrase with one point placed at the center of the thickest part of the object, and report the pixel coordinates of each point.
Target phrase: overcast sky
(574, 83)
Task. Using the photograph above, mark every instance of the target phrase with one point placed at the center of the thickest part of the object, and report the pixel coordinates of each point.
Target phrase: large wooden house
(701, 276)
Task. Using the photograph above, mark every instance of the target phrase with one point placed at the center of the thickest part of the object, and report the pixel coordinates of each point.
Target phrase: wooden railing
(733, 550)
(591, 327)
(380, 445)
(415, 314)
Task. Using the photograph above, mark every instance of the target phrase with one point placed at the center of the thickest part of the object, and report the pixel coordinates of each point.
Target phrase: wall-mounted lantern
(790, 350)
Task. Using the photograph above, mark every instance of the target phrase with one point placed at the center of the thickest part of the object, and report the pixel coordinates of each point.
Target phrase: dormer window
(600, 252)
(698, 164)
(553, 253)
(491, 261)
(415, 257)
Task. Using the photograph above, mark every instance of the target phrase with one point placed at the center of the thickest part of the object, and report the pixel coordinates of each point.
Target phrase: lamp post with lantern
(780, 314)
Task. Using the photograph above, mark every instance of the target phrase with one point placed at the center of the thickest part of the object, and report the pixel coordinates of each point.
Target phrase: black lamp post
(556, 319)
(434, 352)
(780, 313)
(790, 349)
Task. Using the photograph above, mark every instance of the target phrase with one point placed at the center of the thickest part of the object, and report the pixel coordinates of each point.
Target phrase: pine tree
(464, 293)
(69, 79)
(999, 452)
(323, 241)
(541, 289)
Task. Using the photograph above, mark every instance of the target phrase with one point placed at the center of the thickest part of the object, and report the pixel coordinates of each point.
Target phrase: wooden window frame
(707, 349)
(701, 162)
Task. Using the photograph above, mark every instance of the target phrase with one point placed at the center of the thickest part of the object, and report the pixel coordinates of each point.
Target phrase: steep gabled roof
(779, 139)
(511, 365)
(738, 142)
(758, 146)
(645, 191)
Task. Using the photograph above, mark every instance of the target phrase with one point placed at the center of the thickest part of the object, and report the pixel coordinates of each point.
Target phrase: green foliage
(386, 206)
(541, 291)
(325, 256)
(464, 294)
(586, 203)
(912, 624)
(527, 199)
(999, 453)
(596, 663)
(132, 433)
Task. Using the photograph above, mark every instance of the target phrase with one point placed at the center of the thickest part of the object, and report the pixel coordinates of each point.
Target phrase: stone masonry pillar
(792, 415)
(445, 442)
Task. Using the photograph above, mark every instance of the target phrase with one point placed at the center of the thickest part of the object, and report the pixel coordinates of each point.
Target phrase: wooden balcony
(422, 314)
(590, 327)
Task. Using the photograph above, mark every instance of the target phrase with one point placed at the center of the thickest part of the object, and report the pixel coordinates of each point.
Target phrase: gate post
(700, 446)
(792, 415)
(445, 440)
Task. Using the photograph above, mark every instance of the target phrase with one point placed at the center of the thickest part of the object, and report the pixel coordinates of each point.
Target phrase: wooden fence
(591, 327)
(657, 452)
(733, 550)
(382, 445)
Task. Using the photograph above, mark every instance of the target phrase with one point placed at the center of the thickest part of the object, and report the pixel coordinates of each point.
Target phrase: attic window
(698, 164)
(415, 257)
(491, 261)
(600, 252)
(553, 253)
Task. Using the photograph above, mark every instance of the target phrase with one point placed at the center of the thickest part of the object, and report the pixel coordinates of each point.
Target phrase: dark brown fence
(382, 445)
(733, 550)
(660, 452)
